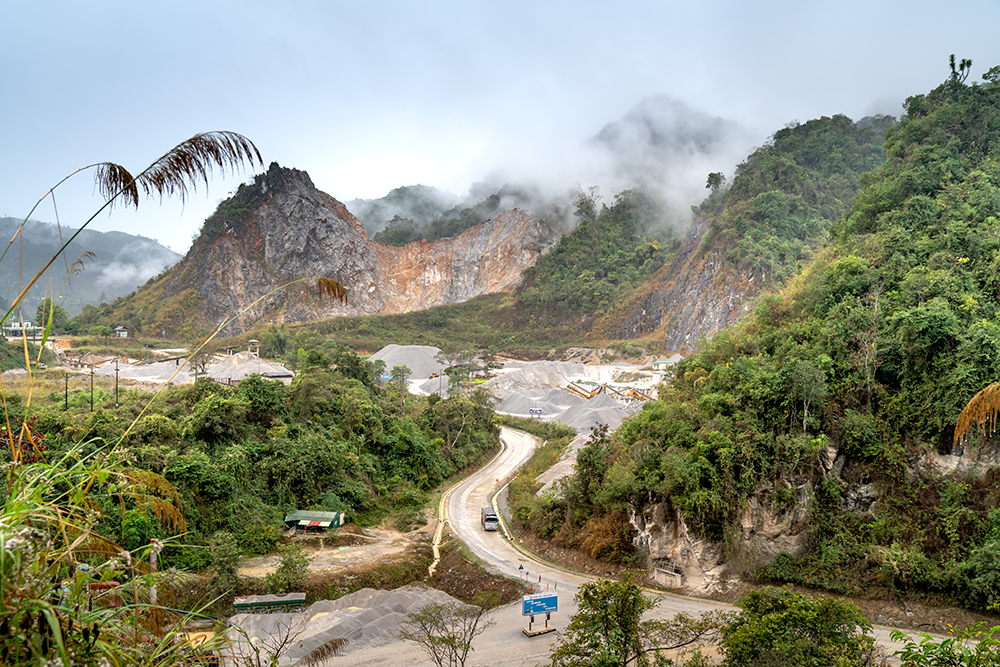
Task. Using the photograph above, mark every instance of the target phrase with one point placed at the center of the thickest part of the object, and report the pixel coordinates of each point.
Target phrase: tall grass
(68, 594)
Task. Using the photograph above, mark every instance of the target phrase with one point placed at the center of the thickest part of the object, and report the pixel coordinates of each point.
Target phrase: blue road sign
(539, 603)
(534, 411)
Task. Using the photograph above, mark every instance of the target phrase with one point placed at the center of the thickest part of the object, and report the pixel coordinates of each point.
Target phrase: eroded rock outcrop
(697, 294)
(282, 228)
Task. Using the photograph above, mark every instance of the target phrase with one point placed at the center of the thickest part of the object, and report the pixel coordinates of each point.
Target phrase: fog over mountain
(120, 263)
(662, 144)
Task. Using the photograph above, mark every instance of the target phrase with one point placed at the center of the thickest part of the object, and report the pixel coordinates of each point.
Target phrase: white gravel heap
(365, 618)
(535, 378)
(158, 372)
(420, 359)
(244, 364)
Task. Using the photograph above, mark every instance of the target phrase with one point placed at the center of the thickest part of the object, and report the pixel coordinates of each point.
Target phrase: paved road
(504, 645)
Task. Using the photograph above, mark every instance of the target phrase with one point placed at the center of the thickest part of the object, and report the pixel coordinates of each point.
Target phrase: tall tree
(399, 375)
(48, 310)
(445, 631)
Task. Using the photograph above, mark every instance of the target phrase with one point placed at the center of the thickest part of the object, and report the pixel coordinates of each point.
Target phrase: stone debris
(157, 373)
(365, 618)
(420, 359)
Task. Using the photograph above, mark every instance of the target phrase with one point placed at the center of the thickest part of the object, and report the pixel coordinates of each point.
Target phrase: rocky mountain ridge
(281, 228)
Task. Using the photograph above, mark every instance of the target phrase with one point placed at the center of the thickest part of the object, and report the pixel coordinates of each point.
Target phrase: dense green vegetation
(240, 457)
(787, 194)
(611, 249)
(489, 323)
(869, 356)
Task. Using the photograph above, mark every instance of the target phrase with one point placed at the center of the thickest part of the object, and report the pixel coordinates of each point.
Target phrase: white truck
(489, 517)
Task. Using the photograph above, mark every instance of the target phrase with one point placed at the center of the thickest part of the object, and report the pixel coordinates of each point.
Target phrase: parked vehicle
(490, 520)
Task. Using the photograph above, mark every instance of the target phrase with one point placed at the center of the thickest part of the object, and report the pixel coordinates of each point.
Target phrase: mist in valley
(662, 145)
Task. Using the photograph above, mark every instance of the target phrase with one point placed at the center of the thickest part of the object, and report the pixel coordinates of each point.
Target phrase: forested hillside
(240, 458)
(613, 248)
(399, 230)
(113, 264)
(838, 395)
(787, 194)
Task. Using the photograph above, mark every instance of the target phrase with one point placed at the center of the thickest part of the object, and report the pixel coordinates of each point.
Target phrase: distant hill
(419, 204)
(120, 263)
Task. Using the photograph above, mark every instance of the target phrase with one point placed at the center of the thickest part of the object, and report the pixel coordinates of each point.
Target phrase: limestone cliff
(696, 294)
(282, 228)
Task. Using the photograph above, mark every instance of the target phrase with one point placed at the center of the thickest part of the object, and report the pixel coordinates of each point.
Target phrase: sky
(369, 96)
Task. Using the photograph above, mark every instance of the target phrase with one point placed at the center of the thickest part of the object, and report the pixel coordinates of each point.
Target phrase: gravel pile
(438, 385)
(535, 378)
(418, 358)
(562, 398)
(517, 403)
(365, 618)
(158, 372)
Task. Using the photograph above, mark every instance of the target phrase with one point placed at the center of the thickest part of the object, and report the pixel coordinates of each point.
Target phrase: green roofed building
(307, 520)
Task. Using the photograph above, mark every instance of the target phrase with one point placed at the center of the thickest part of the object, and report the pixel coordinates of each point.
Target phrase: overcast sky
(368, 96)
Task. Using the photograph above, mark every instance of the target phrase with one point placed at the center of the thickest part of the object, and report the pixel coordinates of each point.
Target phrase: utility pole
(91, 387)
(66, 393)
(116, 382)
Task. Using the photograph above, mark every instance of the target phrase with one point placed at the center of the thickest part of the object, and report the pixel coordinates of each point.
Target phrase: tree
(716, 181)
(399, 375)
(226, 563)
(808, 387)
(960, 74)
(100, 331)
(587, 203)
(609, 630)
(292, 570)
(48, 311)
(780, 627)
(445, 631)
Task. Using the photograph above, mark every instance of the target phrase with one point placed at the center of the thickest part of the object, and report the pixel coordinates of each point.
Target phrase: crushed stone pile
(516, 403)
(438, 385)
(420, 359)
(562, 398)
(535, 378)
(244, 364)
(158, 372)
(365, 618)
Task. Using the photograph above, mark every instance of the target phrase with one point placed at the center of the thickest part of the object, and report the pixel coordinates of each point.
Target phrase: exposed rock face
(679, 558)
(292, 230)
(697, 294)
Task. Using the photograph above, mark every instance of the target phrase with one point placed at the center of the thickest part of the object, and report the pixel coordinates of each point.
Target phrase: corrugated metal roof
(298, 516)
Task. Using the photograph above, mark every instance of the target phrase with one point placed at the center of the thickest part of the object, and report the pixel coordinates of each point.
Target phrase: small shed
(121, 332)
(309, 520)
(662, 365)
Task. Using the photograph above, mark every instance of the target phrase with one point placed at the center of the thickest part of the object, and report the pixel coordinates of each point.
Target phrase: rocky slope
(695, 295)
(282, 228)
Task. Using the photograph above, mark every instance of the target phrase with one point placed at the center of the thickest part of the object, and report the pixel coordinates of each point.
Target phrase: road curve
(504, 645)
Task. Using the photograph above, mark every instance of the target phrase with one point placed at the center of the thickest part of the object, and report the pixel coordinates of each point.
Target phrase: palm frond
(78, 266)
(180, 168)
(328, 287)
(114, 181)
(321, 653)
(980, 412)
